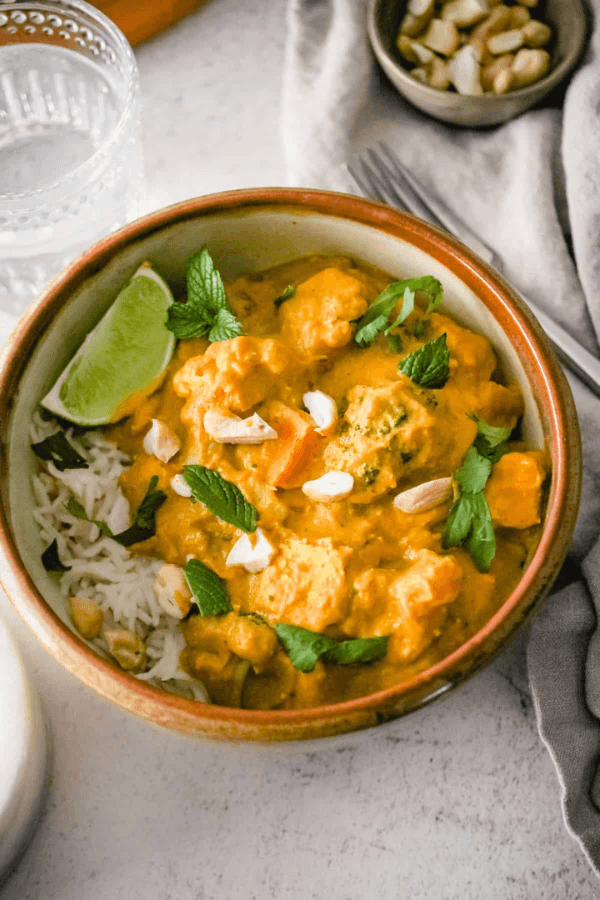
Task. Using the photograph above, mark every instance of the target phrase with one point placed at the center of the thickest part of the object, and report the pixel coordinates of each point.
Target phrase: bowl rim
(532, 92)
(190, 716)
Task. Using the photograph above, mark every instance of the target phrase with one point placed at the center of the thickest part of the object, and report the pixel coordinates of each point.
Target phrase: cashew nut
(172, 591)
(424, 496)
(160, 441)
(229, 429)
(330, 487)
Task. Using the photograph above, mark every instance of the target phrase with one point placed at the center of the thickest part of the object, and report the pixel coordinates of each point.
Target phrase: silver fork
(380, 174)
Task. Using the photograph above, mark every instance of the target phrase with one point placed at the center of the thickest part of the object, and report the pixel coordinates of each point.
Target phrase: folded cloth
(531, 188)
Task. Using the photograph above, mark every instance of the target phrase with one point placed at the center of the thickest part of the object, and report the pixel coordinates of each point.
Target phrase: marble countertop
(457, 802)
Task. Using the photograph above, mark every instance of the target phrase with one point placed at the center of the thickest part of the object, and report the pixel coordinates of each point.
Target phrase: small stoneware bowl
(569, 25)
(252, 230)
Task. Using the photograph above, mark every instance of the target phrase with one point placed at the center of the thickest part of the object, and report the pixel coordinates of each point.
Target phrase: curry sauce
(349, 568)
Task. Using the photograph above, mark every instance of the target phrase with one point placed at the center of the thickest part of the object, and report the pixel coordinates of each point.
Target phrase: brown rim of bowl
(513, 316)
(545, 84)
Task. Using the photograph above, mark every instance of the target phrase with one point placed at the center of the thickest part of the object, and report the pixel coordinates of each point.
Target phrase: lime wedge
(122, 359)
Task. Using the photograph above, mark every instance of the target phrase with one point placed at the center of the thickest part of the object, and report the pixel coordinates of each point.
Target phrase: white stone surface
(457, 802)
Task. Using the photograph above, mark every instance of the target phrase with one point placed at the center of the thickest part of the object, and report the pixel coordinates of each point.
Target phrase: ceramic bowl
(254, 229)
(569, 25)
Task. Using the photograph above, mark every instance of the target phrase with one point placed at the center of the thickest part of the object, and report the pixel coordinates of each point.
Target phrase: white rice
(119, 581)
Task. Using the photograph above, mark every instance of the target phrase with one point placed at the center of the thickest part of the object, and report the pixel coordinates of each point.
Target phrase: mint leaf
(204, 283)
(205, 311)
(225, 326)
(187, 321)
(429, 366)
(76, 509)
(210, 592)
(474, 472)
(286, 294)
(360, 650)
(144, 524)
(383, 305)
(51, 560)
(221, 497)
(57, 449)
(305, 647)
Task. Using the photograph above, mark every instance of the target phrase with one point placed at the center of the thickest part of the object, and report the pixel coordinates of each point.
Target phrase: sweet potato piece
(514, 489)
(284, 460)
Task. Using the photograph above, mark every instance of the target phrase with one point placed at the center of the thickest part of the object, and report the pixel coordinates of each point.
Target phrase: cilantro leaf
(383, 305)
(481, 542)
(221, 497)
(394, 343)
(429, 366)
(225, 326)
(286, 294)
(206, 310)
(76, 509)
(306, 647)
(57, 449)
(491, 439)
(144, 523)
(51, 560)
(470, 522)
(408, 305)
(474, 472)
(210, 592)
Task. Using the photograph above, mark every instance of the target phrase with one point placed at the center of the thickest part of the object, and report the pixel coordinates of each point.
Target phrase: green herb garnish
(470, 522)
(57, 449)
(221, 497)
(491, 439)
(306, 647)
(395, 343)
(286, 294)
(375, 320)
(144, 522)
(76, 509)
(51, 560)
(429, 366)
(210, 592)
(206, 310)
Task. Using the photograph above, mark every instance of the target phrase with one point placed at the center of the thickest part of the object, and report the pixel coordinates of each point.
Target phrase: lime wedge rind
(53, 401)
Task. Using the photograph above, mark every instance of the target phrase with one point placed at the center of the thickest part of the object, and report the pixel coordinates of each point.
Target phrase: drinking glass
(70, 159)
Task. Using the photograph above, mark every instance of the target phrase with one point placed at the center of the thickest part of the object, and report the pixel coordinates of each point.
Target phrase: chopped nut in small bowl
(476, 62)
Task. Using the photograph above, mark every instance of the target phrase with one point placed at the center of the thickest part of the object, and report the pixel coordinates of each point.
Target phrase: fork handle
(570, 352)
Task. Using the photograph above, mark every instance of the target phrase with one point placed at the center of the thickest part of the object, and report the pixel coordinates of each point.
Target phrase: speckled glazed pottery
(254, 229)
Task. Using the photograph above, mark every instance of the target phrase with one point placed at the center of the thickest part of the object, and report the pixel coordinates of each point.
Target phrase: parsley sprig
(376, 319)
(470, 522)
(206, 309)
(306, 647)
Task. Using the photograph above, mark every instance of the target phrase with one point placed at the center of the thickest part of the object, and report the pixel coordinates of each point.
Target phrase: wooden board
(140, 20)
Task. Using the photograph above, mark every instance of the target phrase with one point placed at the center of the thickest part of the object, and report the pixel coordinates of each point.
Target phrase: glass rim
(84, 171)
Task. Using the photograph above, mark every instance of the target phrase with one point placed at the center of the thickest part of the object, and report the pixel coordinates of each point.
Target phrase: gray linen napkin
(529, 188)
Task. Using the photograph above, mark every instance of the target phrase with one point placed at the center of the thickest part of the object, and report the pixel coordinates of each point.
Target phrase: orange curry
(356, 567)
